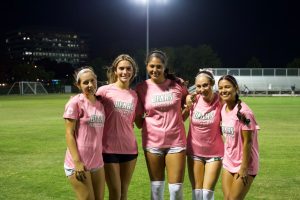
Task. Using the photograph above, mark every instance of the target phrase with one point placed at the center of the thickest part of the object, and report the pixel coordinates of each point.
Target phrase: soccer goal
(25, 87)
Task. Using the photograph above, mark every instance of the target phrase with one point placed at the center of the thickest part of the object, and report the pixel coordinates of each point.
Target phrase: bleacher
(264, 81)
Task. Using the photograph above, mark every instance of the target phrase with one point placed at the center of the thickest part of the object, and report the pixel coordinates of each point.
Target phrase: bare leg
(113, 180)
(175, 164)
(211, 175)
(83, 189)
(126, 171)
(156, 170)
(233, 187)
(156, 166)
(196, 172)
(98, 180)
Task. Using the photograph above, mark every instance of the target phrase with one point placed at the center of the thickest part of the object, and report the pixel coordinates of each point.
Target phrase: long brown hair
(164, 59)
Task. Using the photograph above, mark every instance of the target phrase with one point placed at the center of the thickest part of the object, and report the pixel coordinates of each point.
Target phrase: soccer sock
(208, 194)
(176, 191)
(197, 194)
(157, 190)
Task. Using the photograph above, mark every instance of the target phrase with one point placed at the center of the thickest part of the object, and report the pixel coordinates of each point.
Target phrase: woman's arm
(185, 113)
(247, 145)
(189, 100)
(70, 125)
(139, 120)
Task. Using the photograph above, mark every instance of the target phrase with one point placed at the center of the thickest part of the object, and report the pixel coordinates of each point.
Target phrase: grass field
(32, 148)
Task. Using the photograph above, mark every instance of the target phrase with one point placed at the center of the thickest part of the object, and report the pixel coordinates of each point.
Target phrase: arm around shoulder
(139, 120)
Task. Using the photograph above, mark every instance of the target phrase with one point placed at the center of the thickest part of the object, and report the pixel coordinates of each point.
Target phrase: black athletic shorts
(118, 158)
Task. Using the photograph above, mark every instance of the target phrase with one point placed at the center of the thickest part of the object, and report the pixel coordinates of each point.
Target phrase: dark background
(235, 29)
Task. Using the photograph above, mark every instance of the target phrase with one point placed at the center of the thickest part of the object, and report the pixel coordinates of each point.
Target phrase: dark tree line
(183, 61)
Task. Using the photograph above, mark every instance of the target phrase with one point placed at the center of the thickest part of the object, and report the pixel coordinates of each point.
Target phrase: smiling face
(155, 69)
(227, 91)
(124, 71)
(87, 83)
(204, 87)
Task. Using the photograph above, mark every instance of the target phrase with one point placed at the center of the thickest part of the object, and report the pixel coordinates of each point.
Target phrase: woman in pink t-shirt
(241, 157)
(205, 147)
(159, 115)
(84, 120)
(119, 143)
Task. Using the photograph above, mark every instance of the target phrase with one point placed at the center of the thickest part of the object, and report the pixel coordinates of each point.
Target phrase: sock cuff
(157, 182)
(175, 183)
(207, 190)
(198, 189)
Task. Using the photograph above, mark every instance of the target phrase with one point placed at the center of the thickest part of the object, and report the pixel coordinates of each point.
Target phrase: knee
(232, 198)
(114, 193)
(123, 196)
(86, 196)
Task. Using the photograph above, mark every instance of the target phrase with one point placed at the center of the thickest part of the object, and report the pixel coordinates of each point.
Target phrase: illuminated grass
(32, 149)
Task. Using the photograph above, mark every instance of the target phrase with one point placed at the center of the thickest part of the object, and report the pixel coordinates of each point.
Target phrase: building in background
(31, 46)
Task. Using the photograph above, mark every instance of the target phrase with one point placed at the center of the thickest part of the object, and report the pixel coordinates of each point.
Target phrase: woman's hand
(79, 171)
(190, 99)
(243, 174)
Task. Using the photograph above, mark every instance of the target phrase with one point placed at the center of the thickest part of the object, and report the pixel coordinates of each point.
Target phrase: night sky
(235, 29)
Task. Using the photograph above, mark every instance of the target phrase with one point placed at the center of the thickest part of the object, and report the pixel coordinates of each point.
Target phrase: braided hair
(240, 115)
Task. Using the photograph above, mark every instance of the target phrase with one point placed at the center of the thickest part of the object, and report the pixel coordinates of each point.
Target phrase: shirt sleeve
(252, 125)
(100, 92)
(71, 109)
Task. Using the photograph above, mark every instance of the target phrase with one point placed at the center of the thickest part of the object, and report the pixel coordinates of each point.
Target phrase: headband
(82, 72)
(206, 72)
(231, 78)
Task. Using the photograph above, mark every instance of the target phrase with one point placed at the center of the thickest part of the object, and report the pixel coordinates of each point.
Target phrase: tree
(294, 64)
(140, 56)
(171, 53)
(188, 60)
(253, 63)
(54, 70)
(207, 57)
(99, 65)
(29, 72)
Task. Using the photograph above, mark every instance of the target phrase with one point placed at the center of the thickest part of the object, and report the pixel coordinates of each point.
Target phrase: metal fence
(257, 71)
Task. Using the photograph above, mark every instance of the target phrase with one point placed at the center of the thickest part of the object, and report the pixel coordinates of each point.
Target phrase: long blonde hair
(111, 76)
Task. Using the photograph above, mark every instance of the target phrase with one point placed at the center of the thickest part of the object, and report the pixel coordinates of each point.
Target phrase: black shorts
(118, 158)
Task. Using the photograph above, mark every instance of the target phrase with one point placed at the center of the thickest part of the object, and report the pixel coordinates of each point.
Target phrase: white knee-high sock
(175, 190)
(197, 194)
(208, 194)
(157, 190)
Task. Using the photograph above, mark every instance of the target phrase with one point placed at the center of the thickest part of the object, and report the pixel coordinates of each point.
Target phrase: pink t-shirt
(89, 130)
(232, 129)
(204, 138)
(163, 125)
(120, 106)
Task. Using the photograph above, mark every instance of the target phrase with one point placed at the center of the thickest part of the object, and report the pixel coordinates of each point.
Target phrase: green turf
(32, 148)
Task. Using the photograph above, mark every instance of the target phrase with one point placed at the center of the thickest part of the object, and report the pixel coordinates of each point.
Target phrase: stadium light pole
(147, 30)
(147, 2)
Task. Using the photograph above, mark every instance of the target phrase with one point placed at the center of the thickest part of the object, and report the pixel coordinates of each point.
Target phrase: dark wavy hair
(164, 59)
